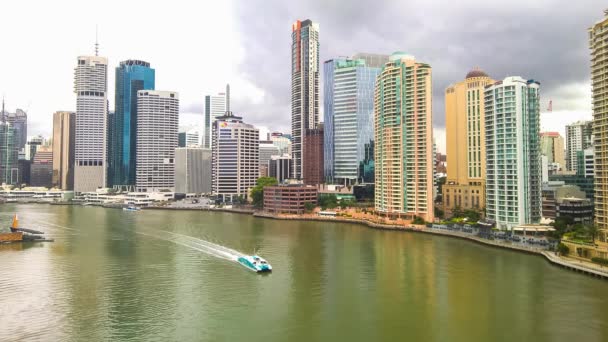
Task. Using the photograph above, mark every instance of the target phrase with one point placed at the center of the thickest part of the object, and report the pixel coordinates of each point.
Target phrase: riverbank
(568, 263)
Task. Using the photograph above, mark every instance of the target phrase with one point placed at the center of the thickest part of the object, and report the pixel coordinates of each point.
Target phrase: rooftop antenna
(96, 43)
(227, 97)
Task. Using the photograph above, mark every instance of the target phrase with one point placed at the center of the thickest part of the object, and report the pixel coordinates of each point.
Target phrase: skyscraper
(192, 170)
(598, 34)
(215, 106)
(189, 136)
(64, 127)
(131, 77)
(267, 150)
(9, 168)
(513, 182)
(18, 121)
(41, 170)
(304, 87)
(403, 138)
(348, 115)
(235, 157)
(465, 142)
(578, 138)
(552, 146)
(157, 116)
(90, 86)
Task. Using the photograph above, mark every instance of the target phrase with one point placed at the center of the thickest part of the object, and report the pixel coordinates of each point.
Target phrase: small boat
(131, 208)
(255, 263)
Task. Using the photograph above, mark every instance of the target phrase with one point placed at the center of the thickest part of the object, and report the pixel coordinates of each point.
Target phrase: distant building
(304, 88)
(289, 199)
(157, 117)
(32, 146)
(586, 184)
(131, 77)
(189, 137)
(312, 156)
(64, 127)
(279, 167)
(348, 110)
(18, 121)
(267, 150)
(585, 162)
(192, 170)
(555, 192)
(552, 146)
(282, 141)
(91, 87)
(215, 106)
(578, 138)
(41, 171)
(465, 143)
(513, 168)
(9, 153)
(235, 158)
(403, 138)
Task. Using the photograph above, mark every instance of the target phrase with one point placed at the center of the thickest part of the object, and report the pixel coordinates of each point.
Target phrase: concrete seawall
(549, 256)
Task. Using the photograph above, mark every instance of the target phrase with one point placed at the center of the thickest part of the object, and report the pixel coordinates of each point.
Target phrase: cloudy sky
(197, 47)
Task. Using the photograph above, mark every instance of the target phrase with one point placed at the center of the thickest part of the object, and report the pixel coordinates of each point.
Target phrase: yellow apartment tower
(465, 143)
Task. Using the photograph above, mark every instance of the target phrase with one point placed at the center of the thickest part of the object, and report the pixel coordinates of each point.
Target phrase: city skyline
(258, 70)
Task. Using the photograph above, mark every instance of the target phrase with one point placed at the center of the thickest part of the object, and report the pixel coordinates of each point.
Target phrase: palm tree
(592, 231)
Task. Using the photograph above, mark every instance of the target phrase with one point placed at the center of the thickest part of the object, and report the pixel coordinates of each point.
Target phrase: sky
(197, 47)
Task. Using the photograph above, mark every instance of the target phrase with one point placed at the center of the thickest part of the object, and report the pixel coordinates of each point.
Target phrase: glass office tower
(131, 77)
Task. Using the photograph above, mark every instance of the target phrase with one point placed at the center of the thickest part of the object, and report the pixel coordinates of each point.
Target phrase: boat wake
(200, 245)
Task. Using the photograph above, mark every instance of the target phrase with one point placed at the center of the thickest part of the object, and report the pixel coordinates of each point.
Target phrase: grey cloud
(545, 40)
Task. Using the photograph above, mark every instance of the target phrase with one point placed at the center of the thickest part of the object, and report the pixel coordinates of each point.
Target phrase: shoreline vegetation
(568, 263)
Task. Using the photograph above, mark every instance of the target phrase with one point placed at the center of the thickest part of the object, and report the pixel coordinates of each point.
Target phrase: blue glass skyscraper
(131, 76)
(348, 117)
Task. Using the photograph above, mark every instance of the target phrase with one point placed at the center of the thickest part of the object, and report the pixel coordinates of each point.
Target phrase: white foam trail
(199, 245)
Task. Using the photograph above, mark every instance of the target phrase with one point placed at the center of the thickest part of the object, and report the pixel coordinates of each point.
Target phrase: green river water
(152, 276)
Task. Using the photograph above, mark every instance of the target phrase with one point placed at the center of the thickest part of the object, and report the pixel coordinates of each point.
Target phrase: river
(148, 276)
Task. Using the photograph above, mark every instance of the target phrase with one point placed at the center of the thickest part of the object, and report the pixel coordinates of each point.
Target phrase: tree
(309, 207)
(328, 201)
(592, 232)
(418, 220)
(257, 193)
(563, 249)
(438, 212)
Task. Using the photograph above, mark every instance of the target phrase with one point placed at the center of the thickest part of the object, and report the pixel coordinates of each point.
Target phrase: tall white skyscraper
(157, 117)
(304, 87)
(90, 86)
(513, 159)
(215, 106)
(235, 157)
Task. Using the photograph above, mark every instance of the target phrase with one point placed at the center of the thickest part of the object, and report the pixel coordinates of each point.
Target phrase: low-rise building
(288, 199)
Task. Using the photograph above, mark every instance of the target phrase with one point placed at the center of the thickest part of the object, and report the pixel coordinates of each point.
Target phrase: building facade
(189, 137)
(465, 143)
(157, 118)
(598, 34)
(192, 170)
(289, 199)
(131, 77)
(215, 106)
(552, 146)
(9, 153)
(304, 88)
(64, 128)
(513, 183)
(348, 116)
(235, 158)
(267, 150)
(578, 138)
(312, 157)
(91, 86)
(279, 167)
(41, 170)
(18, 121)
(403, 138)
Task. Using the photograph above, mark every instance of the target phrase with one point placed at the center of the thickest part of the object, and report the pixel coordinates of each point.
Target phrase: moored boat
(255, 263)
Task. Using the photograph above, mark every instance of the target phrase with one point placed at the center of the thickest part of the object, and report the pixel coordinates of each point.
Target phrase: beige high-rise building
(598, 34)
(552, 146)
(64, 128)
(403, 135)
(465, 143)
